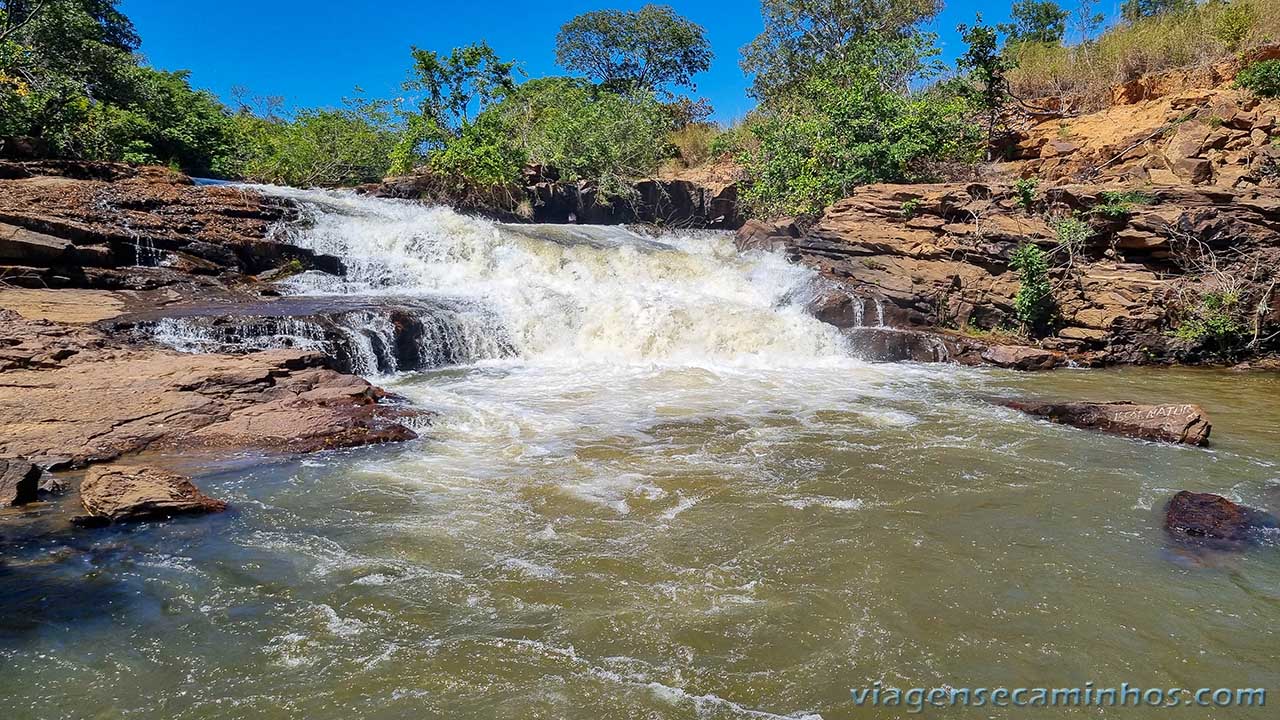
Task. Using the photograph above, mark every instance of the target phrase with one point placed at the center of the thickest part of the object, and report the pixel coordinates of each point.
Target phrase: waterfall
(547, 292)
(367, 336)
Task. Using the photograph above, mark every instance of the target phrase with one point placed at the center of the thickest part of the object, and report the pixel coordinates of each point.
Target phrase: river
(656, 488)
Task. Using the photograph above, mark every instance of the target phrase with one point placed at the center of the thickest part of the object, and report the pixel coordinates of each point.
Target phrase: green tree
(453, 86)
(1041, 21)
(845, 125)
(1033, 304)
(584, 131)
(1133, 10)
(802, 35)
(646, 49)
(989, 68)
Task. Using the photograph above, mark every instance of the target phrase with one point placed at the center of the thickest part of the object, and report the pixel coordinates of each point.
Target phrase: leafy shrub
(1120, 204)
(1072, 233)
(1216, 321)
(1033, 305)
(1232, 25)
(318, 147)
(1262, 78)
(587, 132)
(1025, 190)
(910, 208)
(846, 125)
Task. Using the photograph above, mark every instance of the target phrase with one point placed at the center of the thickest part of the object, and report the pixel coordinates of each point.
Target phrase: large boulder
(1208, 518)
(124, 493)
(1019, 357)
(1187, 424)
(19, 482)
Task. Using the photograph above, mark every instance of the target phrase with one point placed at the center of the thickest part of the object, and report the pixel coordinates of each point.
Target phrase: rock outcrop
(363, 335)
(123, 493)
(99, 225)
(1186, 424)
(543, 197)
(19, 482)
(1186, 126)
(939, 256)
(1019, 357)
(72, 396)
(1204, 518)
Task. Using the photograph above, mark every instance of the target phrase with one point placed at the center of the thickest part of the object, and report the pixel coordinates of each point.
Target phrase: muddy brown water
(677, 497)
(672, 543)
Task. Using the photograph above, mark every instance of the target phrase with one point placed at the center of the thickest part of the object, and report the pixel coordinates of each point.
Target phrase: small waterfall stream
(462, 290)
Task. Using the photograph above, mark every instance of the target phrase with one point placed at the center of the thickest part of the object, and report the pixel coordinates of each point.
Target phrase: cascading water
(574, 292)
(653, 487)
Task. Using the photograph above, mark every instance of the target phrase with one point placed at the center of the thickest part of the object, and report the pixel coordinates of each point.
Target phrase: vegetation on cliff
(1153, 35)
(848, 93)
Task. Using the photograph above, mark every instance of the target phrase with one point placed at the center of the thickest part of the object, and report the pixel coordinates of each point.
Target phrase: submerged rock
(127, 493)
(1187, 424)
(1213, 519)
(19, 482)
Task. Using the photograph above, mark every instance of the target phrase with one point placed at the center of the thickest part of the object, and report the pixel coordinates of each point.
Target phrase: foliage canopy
(645, 50)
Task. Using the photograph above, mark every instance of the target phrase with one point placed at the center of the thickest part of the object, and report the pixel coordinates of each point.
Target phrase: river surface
(659, 490)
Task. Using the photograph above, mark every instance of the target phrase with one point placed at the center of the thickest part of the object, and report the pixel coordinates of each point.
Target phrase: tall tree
(467, 79)
(989, 69)
(646, 49)
(1087, 21)
(800, 35)
(113, 28)
(1041, 21)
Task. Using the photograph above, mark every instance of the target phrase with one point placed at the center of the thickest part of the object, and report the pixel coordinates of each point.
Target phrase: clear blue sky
(315, 52)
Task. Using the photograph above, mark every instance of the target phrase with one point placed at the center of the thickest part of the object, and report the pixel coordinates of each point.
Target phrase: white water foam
(574, 293)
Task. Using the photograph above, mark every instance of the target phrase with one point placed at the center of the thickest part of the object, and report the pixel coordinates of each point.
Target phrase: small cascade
(366, 337)
(425, 287)
(858, 312)
(145, 252)
(248, 334)
(568, 293)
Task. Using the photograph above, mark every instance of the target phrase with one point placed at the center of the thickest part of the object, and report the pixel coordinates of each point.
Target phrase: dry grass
(693, 143)
(1082, 76)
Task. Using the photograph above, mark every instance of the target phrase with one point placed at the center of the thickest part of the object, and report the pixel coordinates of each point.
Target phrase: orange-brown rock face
(124, 493)
(72, 396)
(1186, 126)
(66, 224)
(939, 255)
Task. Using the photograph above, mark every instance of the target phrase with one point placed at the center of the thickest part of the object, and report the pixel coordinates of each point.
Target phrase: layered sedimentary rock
(126, 493)
(939, 256)
(71, 396)
(99, 225)
(363, 335)
(1186, 126)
